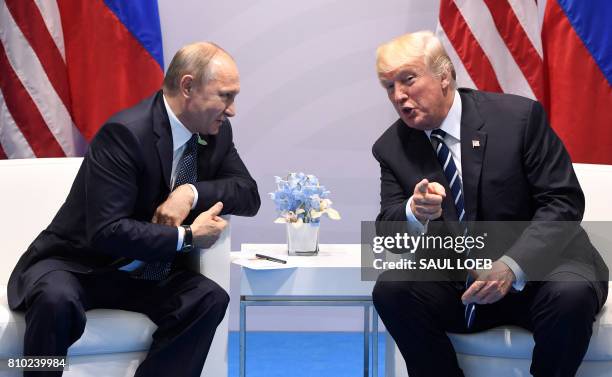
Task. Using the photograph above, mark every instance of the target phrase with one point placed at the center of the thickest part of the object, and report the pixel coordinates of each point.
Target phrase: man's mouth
(408, 111)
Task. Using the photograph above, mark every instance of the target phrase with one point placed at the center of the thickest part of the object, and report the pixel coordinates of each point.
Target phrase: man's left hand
(176, 208)
(490, 286)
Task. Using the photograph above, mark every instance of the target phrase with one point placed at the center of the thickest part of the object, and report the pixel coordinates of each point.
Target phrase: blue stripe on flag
(591, 19)
(141, 18)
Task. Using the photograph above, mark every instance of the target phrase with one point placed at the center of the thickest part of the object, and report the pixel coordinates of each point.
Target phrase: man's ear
(445, 80)
(186, 85)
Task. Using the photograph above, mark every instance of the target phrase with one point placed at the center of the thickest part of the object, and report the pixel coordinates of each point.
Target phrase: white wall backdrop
(310, 100)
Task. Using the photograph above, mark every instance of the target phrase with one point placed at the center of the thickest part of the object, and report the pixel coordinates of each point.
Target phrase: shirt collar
(180, 134)
(452, 123)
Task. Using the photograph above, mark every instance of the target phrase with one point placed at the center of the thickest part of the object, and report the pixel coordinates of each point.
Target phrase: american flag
(67, 65)
(556, 51)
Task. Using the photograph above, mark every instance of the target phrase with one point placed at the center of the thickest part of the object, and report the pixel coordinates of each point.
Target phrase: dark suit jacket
(520, 172)
(125, 175)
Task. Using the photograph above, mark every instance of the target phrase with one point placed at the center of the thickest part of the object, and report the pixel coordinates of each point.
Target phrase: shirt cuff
(519, 282)
(195, 196)
(181, 236)
(414, 225)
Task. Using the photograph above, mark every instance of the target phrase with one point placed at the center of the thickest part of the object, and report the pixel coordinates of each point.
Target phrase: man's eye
(408, 80)
(389, 86)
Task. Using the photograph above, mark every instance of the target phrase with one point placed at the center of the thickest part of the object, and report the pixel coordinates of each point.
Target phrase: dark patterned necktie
(454, 182)
(186, 172)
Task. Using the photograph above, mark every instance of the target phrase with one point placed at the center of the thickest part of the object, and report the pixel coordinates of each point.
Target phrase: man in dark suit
(148, 195)
(495, 159)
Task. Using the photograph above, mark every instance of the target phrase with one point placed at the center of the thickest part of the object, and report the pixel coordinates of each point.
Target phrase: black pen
(272, 259)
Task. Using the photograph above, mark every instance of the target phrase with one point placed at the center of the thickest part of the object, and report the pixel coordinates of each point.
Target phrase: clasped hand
(205, 229)
(490, 286)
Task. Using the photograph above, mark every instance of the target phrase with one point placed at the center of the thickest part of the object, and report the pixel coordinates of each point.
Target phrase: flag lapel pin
(475, 144)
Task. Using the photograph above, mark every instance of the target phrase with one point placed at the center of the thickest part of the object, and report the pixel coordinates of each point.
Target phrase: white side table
(332, 278)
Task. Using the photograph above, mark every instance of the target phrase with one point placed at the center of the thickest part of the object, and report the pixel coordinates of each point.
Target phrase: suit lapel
(473, 144)
(161, 128)
(204, 157)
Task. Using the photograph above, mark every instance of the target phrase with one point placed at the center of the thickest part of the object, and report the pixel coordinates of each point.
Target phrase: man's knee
(213, 295)
(56, 302)
(388, 293)
(571, 301)
(385, 292)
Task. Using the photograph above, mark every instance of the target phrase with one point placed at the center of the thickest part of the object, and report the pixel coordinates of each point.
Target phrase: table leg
(366, 340)
(374, 342)
(242, 369)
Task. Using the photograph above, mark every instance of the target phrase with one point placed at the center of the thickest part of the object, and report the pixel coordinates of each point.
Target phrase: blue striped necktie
(454, 182)
(186, 173)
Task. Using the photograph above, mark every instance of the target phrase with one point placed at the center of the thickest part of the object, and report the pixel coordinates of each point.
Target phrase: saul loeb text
(434, 264)
(429, 248)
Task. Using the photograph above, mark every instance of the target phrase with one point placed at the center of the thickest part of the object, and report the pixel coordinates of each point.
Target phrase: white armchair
(114, 341)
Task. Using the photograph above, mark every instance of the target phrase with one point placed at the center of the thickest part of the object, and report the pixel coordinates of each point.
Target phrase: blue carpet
(302, 354)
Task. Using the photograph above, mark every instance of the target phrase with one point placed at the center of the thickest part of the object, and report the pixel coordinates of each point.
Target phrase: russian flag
(577, 42)
(66, 66)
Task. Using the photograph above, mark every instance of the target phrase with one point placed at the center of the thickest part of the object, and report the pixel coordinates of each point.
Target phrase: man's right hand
(207, 227)
(427, 200)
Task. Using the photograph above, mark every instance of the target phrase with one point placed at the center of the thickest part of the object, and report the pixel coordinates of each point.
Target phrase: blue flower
(300, 197)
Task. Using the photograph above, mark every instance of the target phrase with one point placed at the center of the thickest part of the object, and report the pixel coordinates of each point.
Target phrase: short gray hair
(193, 59)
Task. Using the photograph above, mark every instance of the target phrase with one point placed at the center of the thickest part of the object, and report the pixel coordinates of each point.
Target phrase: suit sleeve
(233, 185)
(557, 198)
(393, 198)
(113, 171)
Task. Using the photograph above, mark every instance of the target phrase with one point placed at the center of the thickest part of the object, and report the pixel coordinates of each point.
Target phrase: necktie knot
(193, 141)
(438, 134)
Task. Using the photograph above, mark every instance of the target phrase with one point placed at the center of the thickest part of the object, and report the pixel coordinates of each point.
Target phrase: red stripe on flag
(114, 72)
(579, 93)
(2, 154)
(519, 45)
(25, 113)
(472, 55)
(32, 25)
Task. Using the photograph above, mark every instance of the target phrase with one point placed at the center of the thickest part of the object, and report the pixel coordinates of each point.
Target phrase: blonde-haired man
(148, 195)
(495, 159)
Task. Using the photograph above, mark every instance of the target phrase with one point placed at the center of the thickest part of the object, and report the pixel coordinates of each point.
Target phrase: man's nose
(399, 93)
(230, 111)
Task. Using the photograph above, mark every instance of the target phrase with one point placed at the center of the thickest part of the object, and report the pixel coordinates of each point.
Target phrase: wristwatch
(187, 239)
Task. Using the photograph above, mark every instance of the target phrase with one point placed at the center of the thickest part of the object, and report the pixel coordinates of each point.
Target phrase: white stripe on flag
(541, 9)
(509, 75)
(12, 140)
(51, 15)
(463, 77)
(32, 75)
(526, 12)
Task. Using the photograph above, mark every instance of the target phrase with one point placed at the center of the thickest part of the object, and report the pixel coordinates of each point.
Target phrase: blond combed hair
(193, 59)
(401, 50)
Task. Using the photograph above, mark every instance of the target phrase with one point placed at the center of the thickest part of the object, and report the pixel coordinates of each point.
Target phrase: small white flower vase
(303, 238)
